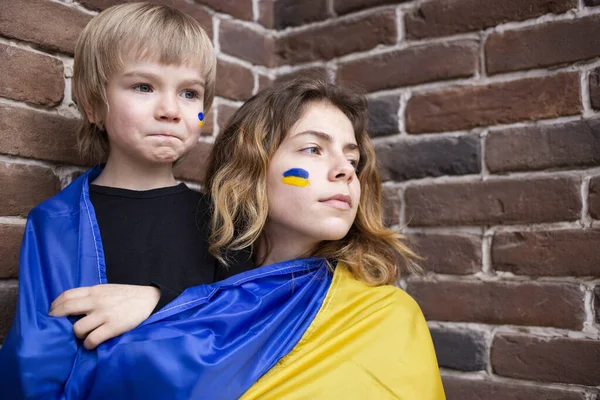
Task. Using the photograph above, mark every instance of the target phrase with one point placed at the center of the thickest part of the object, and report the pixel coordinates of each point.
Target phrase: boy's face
(318, 199)
(152, 116)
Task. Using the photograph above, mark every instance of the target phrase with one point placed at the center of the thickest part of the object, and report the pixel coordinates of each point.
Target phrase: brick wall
(486, 118)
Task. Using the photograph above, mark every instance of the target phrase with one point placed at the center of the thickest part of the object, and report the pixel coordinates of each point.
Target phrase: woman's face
(312, 186)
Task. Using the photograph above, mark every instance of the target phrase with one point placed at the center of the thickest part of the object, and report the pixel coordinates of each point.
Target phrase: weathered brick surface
(241, 9)
(591, 3)
(225, 112)
(571, 252)
(536, 46)
(335, 39)
(348, 6)
(312, 72)
(501, 303)
(470, 389)
(573, 144)
(449, 253)
(264, 81)
(8, 305)
(594, 87)
(594, 197)
(194, 10)
(33, 134)
(597, 303)
(391, 205)
(442, 17)
(411, 66)
(193, 167)
(49, 24)
(30, 77)
(25, 186)
(413, 159)
(286, 13)
(498, 201)
(563, 360)
(245, 43)
(383, 115)
(497, 103)
(459, 349)
(234, 81)
(10, 243)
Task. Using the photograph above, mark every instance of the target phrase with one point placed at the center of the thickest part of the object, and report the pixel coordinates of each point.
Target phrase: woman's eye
(312, 150)
(354, 163)
(143, 88)
(190, 94)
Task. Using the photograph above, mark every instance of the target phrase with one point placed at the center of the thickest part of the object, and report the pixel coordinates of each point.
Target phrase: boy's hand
(110, 310)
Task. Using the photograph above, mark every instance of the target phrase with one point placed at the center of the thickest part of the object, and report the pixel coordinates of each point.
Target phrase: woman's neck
(276, 246)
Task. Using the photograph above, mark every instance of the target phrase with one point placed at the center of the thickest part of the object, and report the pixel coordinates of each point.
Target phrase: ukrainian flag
(296, 177)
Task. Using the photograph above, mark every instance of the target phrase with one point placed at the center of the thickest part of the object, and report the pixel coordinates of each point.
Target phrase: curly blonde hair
(237, 181)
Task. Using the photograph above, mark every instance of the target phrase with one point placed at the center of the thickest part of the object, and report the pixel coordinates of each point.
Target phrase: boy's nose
(167, 109)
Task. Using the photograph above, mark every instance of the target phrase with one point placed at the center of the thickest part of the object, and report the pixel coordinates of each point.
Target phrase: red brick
(594, 197)
(462, 350)
(225, 112)
(442, 17)
(594, 87)
(8, 305)
(471, 389)
(195, 11)
(572, 144)
(591, 3)
(549, 253)
(30, 77)
(411, 66)
(285, 13)
(562, 360)
(414, 159)
(51, 25)
(383, 115)
(242, 42)
(320, 73)
(536, 46)
(501, 303)
(193, 166)
(25, 186)
(348, 6)
(240, 9)
(498, 201)
(391, 205)
(498, 103)
(10, 244)
(596, 294)
(449, 253)
(352, 35)
(234, 81)
(33, 134)
(264, 82)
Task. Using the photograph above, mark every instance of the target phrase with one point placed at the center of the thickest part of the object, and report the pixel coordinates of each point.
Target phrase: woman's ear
(89, 114)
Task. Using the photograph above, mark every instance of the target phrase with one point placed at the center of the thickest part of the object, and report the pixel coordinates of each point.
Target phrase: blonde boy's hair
(140, 31)
(237, 170)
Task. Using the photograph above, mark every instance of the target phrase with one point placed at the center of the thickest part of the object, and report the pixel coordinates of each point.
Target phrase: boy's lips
(165, 135)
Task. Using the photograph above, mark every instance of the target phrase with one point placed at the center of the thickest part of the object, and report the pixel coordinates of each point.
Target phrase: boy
(121, 242)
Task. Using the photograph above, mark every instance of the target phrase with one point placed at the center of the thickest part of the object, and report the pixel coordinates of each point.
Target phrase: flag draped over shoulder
(287, 330)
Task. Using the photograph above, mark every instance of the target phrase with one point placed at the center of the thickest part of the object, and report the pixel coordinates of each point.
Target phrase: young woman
(293, 177)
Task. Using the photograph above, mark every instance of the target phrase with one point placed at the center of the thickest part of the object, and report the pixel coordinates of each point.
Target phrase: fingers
(70, 294)
(99, 336)
(87, 324)
(76, 306)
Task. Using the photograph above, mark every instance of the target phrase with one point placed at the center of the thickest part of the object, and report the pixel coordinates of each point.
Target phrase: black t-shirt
(159, 237)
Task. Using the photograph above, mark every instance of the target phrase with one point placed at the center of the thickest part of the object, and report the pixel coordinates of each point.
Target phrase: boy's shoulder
(64, 203)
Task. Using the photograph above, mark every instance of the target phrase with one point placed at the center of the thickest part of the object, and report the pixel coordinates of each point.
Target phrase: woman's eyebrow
(326, 137)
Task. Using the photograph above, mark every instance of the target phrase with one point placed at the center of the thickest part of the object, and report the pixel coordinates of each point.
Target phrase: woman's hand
(110, 310)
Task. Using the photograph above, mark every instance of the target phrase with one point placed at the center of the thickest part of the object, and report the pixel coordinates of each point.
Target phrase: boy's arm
(110, 310)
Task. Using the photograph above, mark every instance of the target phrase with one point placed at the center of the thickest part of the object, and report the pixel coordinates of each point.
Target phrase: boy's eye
(143, 88)
(190, 94)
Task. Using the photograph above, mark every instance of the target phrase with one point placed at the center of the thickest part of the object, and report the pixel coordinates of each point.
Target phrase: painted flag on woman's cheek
(283, 331)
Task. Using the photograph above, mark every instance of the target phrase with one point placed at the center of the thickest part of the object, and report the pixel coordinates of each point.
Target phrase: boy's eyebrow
(147, 75)
(326, 137)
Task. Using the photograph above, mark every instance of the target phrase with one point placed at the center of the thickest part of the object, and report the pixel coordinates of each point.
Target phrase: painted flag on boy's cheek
(288, 330)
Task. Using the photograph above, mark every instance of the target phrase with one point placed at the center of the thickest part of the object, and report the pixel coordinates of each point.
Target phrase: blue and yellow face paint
(201, 118)
(296, 177)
